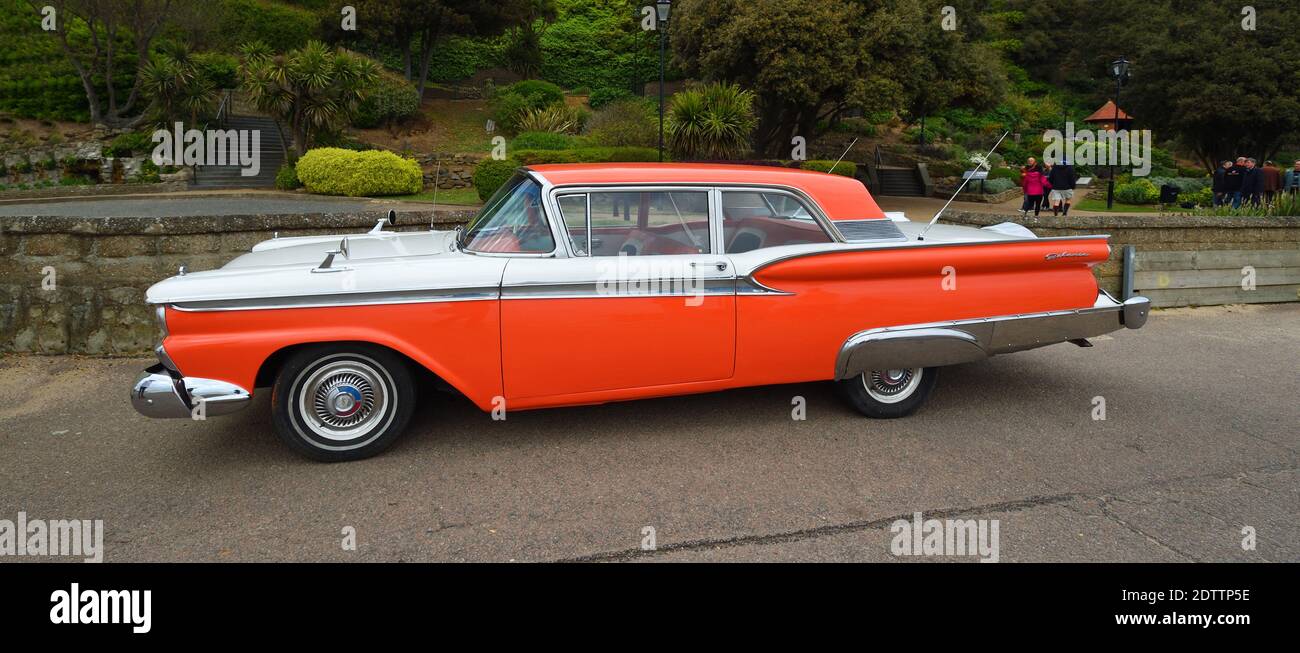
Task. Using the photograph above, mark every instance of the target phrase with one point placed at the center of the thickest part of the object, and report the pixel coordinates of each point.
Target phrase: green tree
(108, 26)
(311, 90)
(524, 50)
(430, 21)
(178, 86)
(811, 62)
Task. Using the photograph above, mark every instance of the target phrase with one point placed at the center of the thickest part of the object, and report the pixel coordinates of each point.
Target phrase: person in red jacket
(1033, 182)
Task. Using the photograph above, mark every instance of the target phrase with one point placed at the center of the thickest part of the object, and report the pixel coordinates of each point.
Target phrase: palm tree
(312, 90)
(710, 122)
(176, 86)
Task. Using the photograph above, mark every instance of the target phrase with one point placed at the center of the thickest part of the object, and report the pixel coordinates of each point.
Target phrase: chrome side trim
(752, 286)
(422, 296)
(964, 341)
(161, 395)
(614, 288)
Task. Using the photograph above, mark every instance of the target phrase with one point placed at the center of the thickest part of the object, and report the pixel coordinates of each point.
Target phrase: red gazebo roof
(1107, 113)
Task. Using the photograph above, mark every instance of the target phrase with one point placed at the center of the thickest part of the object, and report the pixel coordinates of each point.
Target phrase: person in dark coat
(1062, 178)
(1232, 181)
(1252, 184)
(1220, 186)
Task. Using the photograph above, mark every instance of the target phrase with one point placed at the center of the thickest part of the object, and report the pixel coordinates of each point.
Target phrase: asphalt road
(1200, 440)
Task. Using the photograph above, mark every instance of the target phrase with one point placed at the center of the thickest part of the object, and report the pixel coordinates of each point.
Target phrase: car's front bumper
(162, 391)
(964, 341)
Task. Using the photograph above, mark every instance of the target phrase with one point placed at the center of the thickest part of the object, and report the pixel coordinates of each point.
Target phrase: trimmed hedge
(587, 155)
(336, 171)
(541, 141)
(846, 168)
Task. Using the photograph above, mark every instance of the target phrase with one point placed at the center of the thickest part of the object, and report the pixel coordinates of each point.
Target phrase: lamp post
(1118, 70)
(662, 8)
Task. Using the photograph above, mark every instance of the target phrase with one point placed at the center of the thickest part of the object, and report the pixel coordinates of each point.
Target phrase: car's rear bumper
(162, 391)
(964, 341)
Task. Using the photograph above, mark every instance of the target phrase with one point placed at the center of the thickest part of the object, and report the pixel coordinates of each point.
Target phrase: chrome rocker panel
(964, 341)
(161, 392)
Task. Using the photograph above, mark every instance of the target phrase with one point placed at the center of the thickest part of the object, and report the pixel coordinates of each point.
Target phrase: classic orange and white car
(582, 284)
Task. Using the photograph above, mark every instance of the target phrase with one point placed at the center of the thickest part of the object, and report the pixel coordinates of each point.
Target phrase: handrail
(879, 157)
(223, 107)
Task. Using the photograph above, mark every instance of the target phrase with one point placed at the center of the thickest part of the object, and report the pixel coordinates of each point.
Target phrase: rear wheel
(342, 402)
(886, 394)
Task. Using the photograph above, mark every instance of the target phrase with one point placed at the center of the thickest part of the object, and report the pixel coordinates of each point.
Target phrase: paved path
(1200, 439)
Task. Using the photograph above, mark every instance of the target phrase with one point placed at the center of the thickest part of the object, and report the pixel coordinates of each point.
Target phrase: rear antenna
(846, 153)
(433, 209)
(982, 164)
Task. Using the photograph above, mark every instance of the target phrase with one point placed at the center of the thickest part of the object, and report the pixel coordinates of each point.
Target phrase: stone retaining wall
(1153, 233)
(71, 285)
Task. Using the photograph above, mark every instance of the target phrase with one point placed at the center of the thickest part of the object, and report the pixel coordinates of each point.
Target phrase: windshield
(511, 222)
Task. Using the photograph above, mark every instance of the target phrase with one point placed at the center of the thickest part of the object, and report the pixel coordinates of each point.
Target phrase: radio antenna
(846, 153)
(433, 208)
(982, 164)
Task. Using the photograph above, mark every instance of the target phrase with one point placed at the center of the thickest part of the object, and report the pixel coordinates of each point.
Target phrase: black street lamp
(662, 8)
(1118, 70)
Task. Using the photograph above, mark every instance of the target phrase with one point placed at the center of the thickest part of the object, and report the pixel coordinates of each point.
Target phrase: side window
(573, 210)
(753, 220)
(639, 223)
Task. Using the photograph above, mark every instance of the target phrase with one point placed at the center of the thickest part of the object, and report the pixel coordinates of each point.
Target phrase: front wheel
(886, 394)
(342, 402)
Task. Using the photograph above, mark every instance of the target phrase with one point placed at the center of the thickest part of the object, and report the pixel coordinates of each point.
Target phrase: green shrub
(624, 123)
(286, 178)
(556, 118)
(222, 70)
(856, 126)
(336, 171)
(391, 100)
(710, 122)
(541, 141)
(845, 168)
(1140, 191)
(991, 186)
(1006, 173)
(129, 144)
(587, 155)
(605, 96)
(149, 173)
(490, 174)
(946, 169)
(1201, 197)
(512, 103)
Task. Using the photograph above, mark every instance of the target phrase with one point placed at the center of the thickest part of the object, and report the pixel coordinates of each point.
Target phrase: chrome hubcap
(891, 386)
(343, 400)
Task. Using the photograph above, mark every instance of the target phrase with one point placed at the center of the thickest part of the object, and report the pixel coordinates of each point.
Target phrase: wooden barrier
(1210, 277)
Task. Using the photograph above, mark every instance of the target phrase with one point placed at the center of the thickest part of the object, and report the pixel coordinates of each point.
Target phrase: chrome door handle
(720, 265)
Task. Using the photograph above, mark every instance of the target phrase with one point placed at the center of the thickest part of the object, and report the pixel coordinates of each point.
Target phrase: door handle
(720, 265)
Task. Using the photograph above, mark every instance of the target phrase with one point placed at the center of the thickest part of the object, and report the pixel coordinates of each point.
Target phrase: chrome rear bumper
(964, 341)
(164, 392)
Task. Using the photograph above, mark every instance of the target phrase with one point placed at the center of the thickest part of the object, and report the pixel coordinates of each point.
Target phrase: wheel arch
(273, 363)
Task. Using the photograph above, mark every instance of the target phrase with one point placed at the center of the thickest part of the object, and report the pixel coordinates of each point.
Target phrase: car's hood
(292, 268)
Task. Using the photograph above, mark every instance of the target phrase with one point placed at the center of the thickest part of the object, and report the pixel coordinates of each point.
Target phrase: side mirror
(392, 218)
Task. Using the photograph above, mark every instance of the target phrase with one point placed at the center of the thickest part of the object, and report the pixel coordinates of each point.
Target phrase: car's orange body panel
(570, 351)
